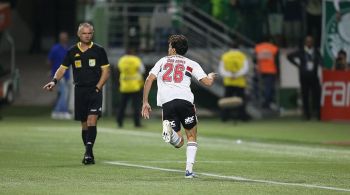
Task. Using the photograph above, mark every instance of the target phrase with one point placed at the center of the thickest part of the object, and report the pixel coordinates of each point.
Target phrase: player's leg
(191, 150)
(175, 143)
(172, 134)
(84, 130)
(94, 109)
(171, 126)
(84, 136)
(80, 109)
(91, 136)
(188, 118)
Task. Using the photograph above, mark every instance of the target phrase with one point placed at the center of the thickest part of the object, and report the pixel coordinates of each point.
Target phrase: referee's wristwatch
(54, 80)
(97, 89)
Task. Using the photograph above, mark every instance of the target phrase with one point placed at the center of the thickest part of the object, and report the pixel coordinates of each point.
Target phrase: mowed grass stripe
(253, 146)
(235, 178)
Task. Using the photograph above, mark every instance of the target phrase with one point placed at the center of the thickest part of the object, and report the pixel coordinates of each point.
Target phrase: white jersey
(174, 78)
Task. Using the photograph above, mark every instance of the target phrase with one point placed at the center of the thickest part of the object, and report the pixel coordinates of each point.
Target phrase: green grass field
(284, 156)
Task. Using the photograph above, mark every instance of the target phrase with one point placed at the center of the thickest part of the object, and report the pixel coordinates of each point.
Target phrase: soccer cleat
(189, 175)
(88, 160)
(167, 131)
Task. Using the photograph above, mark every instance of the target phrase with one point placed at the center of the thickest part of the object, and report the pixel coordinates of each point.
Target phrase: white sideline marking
(235, 178)
(219, 162)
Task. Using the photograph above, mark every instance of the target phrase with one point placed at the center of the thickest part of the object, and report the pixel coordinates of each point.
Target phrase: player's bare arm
(58, 75)
(209, 80)
(146, 108)
(104, 76)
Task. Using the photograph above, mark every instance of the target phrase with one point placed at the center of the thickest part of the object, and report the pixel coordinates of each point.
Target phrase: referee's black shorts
(87, 102)
(180, 111)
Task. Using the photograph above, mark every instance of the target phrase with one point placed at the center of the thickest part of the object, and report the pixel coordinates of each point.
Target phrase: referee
(90, 72)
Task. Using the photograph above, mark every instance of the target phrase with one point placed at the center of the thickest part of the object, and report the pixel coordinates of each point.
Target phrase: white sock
(175, 139)
(191, 155)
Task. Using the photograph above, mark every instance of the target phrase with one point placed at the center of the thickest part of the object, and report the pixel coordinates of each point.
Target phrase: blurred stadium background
(277, 146)
(210, 26)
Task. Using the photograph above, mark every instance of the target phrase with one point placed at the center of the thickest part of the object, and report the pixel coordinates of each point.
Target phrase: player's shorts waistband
(176, 100)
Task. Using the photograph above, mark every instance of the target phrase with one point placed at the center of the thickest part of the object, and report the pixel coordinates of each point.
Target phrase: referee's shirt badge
(92, 62)
(77, 63)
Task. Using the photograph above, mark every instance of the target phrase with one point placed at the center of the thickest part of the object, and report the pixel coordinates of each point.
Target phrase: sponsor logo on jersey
(172, 123)
(77, 63)
(92, 62)
(189, 120)
(77, 55)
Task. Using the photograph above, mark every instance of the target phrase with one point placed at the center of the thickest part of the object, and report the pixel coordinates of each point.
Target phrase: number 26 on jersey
(173, 73)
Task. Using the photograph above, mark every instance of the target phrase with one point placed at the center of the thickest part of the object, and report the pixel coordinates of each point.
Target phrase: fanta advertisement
(335, 99)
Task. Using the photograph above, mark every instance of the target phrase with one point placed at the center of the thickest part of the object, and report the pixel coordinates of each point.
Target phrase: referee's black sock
(91, 137)
(84, 135)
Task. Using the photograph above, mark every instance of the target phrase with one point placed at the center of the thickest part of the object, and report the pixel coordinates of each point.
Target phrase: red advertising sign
(335, 100)
(5, 13)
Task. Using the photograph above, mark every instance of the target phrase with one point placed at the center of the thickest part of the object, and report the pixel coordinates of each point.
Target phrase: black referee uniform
(86, 73)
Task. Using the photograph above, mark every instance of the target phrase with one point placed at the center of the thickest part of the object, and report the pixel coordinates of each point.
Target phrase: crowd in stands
(286, 21)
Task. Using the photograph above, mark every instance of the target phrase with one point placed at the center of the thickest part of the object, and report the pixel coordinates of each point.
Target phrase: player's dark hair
(179, 43)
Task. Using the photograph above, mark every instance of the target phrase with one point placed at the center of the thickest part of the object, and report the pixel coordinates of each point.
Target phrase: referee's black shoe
(88, 159)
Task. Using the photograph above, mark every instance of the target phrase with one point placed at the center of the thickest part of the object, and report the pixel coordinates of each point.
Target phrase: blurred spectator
(233, 68)
(226, 11)
(233, 16)
(254, 18)
(131, 82)
(174, 9)
(267, 60)
(218, 7)
(55, 59)
(275, 20)
(314, 19)
(308, 59)
(161, 24)
(340, 62)
(133, 26)
(292, 21)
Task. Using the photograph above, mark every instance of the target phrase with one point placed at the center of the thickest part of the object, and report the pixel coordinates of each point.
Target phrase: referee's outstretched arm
(58, 75)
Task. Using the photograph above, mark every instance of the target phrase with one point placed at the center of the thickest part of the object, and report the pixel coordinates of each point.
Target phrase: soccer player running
(90, 71)
(173, 74)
